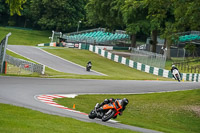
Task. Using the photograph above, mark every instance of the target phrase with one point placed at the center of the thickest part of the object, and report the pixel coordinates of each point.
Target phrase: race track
(52, 61)
(22, 91)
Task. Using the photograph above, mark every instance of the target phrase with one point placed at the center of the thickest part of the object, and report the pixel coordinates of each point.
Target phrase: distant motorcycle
(107, 112)
(88, 67)
(176, 75)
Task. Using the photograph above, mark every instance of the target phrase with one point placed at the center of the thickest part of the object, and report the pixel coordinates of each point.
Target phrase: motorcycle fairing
(108, 106)
(115, 105)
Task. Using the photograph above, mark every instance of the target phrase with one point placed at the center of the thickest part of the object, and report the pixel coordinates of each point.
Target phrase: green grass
(113, 69)
(25, 37)
(17, 56)
(21, 120)
(13, 70)
(174, 112)
(171, 112)
(16, 71)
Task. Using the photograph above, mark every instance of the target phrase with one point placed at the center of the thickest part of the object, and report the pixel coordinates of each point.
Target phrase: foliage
(187, 14)
(191, 49)
(156, 17)
(15, 6)
(134, 16)
(58, 14)
(106, 13)
(158, 12)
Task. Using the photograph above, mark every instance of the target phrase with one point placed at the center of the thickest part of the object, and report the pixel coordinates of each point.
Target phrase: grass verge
(25, 37)
(21, 120)
(113, 69)
(171, 112)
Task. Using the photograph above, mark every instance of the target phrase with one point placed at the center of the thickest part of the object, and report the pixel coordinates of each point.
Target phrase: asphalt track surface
(38, 55)
(21, 91)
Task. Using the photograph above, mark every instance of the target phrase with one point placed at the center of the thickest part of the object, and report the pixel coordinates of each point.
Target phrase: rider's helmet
(173, 65)
(111, 100)
(124, 101)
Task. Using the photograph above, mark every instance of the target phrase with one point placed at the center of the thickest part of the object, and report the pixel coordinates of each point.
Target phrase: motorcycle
(106, 112)
(88, 67)
(176, 75)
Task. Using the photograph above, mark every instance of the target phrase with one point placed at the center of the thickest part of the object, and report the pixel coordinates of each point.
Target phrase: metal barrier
(3, 45)
(29, 66)
(148, 58)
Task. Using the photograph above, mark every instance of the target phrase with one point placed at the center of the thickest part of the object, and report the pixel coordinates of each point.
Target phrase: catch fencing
(148, 58)
(26, 65)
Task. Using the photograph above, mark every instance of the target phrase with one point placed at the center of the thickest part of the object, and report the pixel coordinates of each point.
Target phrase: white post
(78, 26)
(4, 52)
(43, 70)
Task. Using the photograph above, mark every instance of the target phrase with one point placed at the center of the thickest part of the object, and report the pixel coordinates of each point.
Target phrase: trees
(155, 17)
(118, 14)
(159, 12)
(105, 13)
(58, 14)
(3, 12)
(45, 14)
(137, 15)
(134, 17)
(15, 6)
(187, 14)
(191, 49)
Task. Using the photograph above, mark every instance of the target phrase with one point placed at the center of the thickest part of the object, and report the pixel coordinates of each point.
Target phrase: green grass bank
(25, 37)
(170, 112)
(21, 120)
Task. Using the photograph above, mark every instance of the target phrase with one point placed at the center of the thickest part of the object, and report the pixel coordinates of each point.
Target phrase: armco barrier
(25, 64)
(139, 66)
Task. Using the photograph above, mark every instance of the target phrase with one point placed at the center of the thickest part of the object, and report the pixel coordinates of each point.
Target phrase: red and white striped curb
(49, 100)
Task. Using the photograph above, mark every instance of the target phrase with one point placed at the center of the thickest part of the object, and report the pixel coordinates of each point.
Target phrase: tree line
(151, 17)
(59, 15)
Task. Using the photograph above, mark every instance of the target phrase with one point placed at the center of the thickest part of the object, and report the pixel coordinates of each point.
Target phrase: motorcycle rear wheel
(108, 116)
(177, 77)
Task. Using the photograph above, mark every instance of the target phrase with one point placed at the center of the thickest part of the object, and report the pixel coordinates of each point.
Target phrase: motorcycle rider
(172, 69)
(89, 64)
(123, 102)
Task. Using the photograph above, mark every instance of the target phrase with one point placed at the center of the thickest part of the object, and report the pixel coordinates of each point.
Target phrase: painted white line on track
(69, 61)
(32, 59)
(54, 56)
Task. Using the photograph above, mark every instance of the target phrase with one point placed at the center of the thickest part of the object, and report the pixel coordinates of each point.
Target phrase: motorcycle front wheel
(108, 115)
(92, 114)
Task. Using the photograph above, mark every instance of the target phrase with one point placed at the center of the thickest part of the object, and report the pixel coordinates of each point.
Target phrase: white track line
(69, 61)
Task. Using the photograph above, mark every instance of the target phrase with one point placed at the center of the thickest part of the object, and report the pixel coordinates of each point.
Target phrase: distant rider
(89, 64)
(174, 68)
